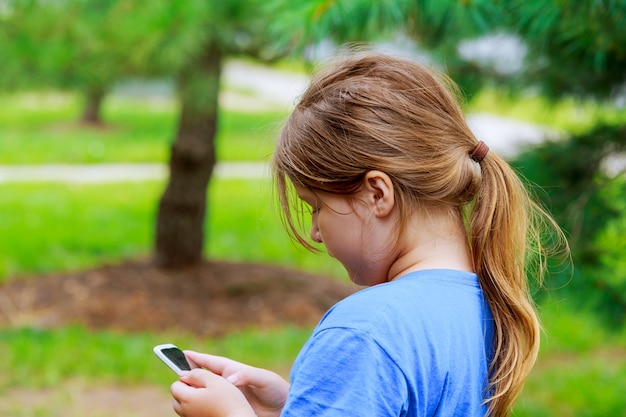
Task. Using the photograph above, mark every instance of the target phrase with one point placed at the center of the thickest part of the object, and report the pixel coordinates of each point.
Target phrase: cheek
(342, 238)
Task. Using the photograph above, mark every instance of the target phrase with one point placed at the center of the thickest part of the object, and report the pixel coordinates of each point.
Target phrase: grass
(39, 358)
(59, 227)
(81, 226)
(42, 127)
(581, 368)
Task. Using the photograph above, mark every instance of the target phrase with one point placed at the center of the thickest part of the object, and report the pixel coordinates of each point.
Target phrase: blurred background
(139, 131)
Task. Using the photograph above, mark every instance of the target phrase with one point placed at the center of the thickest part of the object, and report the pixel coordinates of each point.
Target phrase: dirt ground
(137, 296)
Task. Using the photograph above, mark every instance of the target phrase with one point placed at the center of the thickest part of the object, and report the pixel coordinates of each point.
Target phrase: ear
(379, 193)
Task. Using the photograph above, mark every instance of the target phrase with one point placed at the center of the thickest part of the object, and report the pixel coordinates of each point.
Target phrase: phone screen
(177, 357)
(173, 357)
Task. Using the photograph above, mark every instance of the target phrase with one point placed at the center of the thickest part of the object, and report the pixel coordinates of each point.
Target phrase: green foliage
(437, 27)
(585, 385)
(431, 22)
(580, 369)
(86, 43)
(89, 46)
(587, 202)
(77, 43)
(575, 47)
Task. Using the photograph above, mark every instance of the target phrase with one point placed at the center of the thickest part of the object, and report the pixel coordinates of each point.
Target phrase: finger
(215, 364)
(199, 378)
(180, 394)
(256, 378)
(180, 391)
(177, 407)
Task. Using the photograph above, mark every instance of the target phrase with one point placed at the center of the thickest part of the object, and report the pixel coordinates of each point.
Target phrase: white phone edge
(157, 351)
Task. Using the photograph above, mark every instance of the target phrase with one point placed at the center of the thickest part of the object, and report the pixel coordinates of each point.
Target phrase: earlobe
(380, 192)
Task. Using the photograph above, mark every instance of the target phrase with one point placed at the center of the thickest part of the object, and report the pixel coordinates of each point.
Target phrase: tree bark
(181, 213)
(94, 96)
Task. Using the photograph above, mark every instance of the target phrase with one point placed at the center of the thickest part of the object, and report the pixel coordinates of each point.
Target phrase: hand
(265, 391)
(201, 393)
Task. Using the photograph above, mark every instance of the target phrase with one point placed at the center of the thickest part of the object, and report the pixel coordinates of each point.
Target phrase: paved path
(95, 173)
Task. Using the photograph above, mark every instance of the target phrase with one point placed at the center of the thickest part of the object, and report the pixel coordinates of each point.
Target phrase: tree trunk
(94, 96)
(180, 220)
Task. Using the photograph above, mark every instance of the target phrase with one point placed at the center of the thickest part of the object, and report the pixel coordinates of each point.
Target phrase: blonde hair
(376, 112)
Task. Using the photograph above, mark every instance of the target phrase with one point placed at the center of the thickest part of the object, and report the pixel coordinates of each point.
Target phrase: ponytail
(505, 227)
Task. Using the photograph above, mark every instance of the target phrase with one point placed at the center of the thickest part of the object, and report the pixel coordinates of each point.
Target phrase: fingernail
(233, 379)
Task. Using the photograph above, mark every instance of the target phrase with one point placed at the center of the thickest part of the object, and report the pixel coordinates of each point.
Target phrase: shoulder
(414, 334)
(413, 297)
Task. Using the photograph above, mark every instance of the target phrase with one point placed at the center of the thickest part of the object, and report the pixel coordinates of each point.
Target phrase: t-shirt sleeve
(343, 372)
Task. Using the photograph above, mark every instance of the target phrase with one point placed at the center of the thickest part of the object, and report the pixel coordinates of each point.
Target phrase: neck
(437, 241)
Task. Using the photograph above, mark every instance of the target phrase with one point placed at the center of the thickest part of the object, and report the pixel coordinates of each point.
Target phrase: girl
(436, 226)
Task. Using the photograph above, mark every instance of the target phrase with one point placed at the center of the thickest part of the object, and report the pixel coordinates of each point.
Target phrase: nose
(315, 234)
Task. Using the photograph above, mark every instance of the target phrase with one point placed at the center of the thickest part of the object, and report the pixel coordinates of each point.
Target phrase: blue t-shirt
(417, 346)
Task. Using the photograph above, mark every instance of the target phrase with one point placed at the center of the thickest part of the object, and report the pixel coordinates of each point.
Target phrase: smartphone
(173, 357)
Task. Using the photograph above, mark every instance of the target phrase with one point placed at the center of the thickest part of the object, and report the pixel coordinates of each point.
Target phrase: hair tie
(480, 151)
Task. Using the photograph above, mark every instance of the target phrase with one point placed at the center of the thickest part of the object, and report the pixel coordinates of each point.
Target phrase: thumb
(198, 378)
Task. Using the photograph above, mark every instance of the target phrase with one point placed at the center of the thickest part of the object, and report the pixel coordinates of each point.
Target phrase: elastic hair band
(480, 151)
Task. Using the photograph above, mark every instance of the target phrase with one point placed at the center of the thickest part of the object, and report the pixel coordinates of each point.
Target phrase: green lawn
(42, 127)
(581, 369)
(61, 227)
(39, 358)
